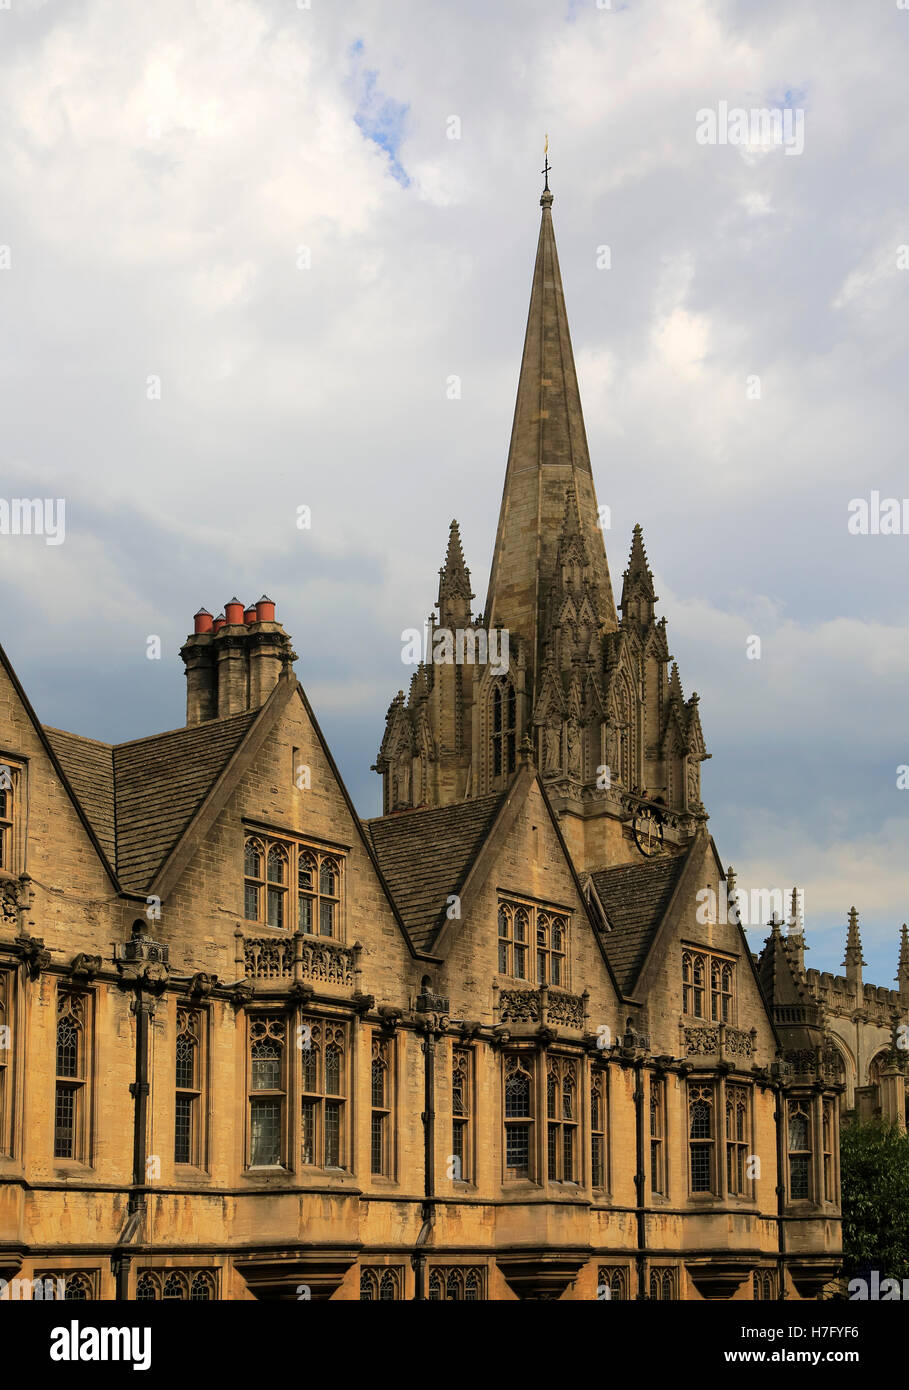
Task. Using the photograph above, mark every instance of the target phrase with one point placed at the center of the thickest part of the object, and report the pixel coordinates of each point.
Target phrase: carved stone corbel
(85, 967)
(33, 955)
(241, 993)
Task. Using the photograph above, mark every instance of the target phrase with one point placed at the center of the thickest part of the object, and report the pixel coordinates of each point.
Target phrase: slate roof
(89, 765)
(426, 857)
(635, 898)
(140, 796)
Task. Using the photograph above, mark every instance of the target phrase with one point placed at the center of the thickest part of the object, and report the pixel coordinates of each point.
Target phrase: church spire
(547, 456)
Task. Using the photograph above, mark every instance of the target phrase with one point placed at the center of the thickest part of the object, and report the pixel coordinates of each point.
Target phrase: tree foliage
(874, 1160)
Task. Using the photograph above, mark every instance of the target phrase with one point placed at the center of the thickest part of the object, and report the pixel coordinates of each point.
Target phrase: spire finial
(546, 199)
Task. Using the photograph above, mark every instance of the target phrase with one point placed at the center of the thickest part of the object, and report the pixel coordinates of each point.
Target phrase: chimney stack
(234, 661)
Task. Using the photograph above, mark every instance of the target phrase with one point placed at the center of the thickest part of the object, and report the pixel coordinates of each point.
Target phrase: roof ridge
(83, 738)
(187, 728)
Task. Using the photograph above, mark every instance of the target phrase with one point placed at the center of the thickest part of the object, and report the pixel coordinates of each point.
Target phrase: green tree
(874, 1161)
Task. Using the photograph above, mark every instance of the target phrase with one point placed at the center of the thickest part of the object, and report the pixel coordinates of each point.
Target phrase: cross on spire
(546, 165)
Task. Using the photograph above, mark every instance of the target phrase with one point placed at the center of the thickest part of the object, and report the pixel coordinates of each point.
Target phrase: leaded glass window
(525, 929)
(799, 1150)
(461, 1098)
(188, 1087)
(518, 1116)
(267, 1033)
(323, 1091)
(598, 1128)
(381, 1081)
(456, 1284)
(737, 1140)
(657, 1135)
(701, 1136)
(71, 1086)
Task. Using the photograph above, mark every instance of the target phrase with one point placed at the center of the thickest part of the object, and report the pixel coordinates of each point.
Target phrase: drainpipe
(779, 1117)
(143, 1007)
(429, 1158)
(639, 1176)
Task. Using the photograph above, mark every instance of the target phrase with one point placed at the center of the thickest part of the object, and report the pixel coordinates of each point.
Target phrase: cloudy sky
(259, 203)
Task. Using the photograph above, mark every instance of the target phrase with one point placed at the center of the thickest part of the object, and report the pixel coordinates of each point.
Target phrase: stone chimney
(233, 662)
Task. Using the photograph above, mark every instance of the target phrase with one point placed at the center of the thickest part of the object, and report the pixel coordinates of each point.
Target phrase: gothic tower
(593, 698)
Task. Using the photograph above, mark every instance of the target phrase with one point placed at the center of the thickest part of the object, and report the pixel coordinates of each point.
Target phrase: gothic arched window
(700, 1136)
(203, 1288)
(518, 1116)
(799, 1149)
(504, 726)
(737, 1140)
(277, 885)
(188, 1086)
(323, 1094)
(561, 1114)
(694, 980)
(598, 1128)
(267, 1090)
(70, 1093)
(662, 1284)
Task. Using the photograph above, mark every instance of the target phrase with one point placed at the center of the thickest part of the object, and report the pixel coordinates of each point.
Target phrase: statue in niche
(574, 748)
(403, 769)
(612, 753)
(694, 790)
(553, 740)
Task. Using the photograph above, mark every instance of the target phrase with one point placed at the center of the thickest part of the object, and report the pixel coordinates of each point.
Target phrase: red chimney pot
(233, 611)
(202, 621)
(218, 623)
(250, 615)
(265, 609)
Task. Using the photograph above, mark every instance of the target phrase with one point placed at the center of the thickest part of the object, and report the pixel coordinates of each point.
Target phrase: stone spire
(854, 961)
(454, 584)
(902, 972)
(548, 455)
(795, 932)
(638, 598)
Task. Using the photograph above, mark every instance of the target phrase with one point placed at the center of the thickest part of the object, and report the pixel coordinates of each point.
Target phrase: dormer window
(533, 943)
(699, 967)
(270, 868)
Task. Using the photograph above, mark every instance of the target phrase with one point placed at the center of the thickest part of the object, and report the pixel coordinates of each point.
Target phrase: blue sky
(304, 221)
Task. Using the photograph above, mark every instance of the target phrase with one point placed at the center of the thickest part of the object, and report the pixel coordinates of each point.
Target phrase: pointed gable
(160, 783)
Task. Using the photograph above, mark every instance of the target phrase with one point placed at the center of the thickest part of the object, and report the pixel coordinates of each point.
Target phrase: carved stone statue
(403, 769)
(612, 753)
(574, 748)
(694, 790)
(553, 746)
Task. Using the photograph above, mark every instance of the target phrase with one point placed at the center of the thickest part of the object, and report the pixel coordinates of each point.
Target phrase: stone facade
(486, 1046)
